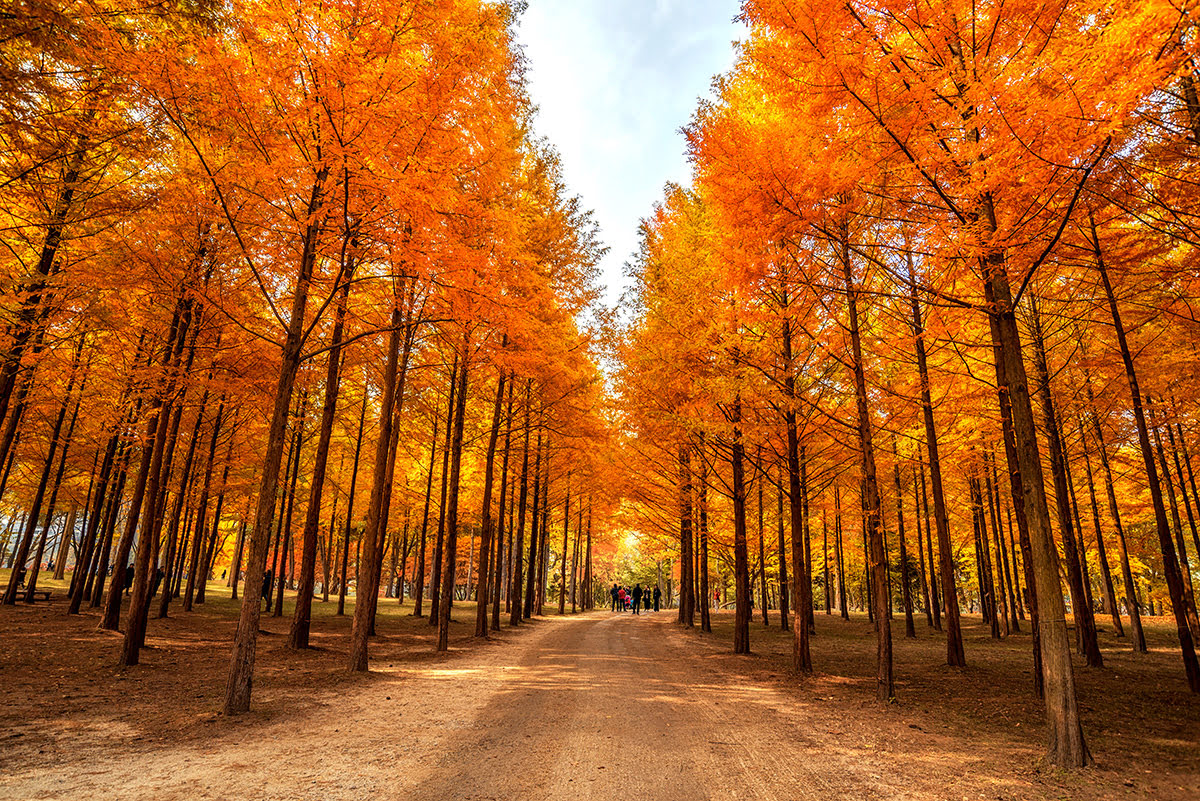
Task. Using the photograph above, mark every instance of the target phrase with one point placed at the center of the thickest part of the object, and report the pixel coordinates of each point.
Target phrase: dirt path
(596, 706)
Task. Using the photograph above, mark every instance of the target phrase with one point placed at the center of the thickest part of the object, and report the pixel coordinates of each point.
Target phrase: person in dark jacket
(657, 597)
(128, 578)
(158, 577)
(268, 583)
(613, 592)
(637, 599)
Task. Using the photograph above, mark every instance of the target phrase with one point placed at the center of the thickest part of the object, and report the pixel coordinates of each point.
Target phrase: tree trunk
(456, 447)
(1176, 524)
(885, 687)
(1067, 746)
(687, 601)
(562, 566)
(741, 561)
(302, 617)
(198, 538)
(955, 655)
(1084, 622)
(434, 595)
(1170, 563)
(517, 551)
(783, 556)
(704, 601)
(372, 537)
(482, 596)
(1110, 596)
(534, 541)
(241, 666)
(910, 629)
(801, 581)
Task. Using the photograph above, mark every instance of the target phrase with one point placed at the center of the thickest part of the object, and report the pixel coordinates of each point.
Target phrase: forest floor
(593, 706)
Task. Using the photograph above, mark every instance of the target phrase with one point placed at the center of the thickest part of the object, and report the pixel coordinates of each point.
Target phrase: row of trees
(938, 265)
(270, 269)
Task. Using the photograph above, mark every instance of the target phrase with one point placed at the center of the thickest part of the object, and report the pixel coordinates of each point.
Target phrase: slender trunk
(955, 655)
(562, 571)
(177, 513)
(921, 550)
(885, 689)
(801, 582)
(302, 617)
(1062, 712)
(198, 539)
(762, 545)
(534, 540)
(1110, 596)
(705, 601)
(372, 537)
(289, 505)
(1084, 622)
(456, 447)
(518, 548)
(419, 598)
(1016, 485)
(687, 601)
(502, 523)
(992, 482)
(1176, 524)
(241, 663)
(1170, 563)
(741, 562)
(783, 556)
(434, 595)
(841, 560)
(910, 629)
(155, 433)
(210, 552)
(487, 532)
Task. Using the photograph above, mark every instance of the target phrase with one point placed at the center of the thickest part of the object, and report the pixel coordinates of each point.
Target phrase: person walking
(657, 597)
(637, 599)
(621, 598)
(613, 593)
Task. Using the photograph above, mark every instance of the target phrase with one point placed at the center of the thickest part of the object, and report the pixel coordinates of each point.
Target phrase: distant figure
(268, 582)
(128, 578)
(50, 565)
(621, 597)
(158, 577)
(20, 577)
(637, 599)
(657, 597)
(223, 572)
(613, 593)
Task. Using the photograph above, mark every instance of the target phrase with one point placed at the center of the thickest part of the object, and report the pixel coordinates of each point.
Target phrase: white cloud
(614, 81)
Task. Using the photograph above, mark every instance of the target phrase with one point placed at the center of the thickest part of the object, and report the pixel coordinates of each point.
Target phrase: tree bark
(456, 447)
(517, 551)
(302, 617)
(482, 596)
(741, 561)
(372, 537)
(241, 663)
(1067, 746)
(955, 654)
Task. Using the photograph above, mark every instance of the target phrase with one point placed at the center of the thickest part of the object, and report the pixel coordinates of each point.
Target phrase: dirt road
(596, 706)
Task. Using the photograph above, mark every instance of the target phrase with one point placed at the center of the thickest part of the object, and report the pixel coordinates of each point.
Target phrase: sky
(614, 81)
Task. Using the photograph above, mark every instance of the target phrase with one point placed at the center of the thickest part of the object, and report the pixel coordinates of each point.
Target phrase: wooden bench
(44, 593)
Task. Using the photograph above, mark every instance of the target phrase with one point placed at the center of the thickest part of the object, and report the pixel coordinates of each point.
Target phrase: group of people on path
(635, 600)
